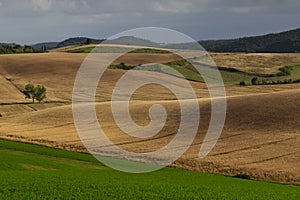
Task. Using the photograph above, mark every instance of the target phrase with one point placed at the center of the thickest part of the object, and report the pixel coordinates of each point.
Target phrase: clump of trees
(269, 79)
(35, 92)
(256, 81)
(16, 48)
(275, 82)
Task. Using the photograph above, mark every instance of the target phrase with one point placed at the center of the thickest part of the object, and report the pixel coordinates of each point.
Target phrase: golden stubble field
(264, 63)
(260, 137)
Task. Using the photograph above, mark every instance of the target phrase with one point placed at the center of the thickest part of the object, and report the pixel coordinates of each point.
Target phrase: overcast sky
(32, 21)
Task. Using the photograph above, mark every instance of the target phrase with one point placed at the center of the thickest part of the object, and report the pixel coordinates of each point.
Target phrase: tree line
(17, 48)
(284, 42)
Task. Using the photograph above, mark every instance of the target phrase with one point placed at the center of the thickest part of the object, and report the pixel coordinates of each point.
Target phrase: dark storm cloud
(29, 21)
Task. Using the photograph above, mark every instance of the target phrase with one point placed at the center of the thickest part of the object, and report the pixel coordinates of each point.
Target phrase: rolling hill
(45, 45)
(125, 40)
(260, 138)
(36, 172)
(283, 42)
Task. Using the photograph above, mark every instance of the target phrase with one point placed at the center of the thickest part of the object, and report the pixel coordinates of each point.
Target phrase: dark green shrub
(254, 81)
(284, 71)
(242, 83)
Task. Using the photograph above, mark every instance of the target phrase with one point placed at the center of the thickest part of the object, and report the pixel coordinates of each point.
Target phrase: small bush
(242, 83)
(254, 81)
(284, 71)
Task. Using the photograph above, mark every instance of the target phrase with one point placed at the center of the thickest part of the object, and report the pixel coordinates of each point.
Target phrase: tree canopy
(35, 92)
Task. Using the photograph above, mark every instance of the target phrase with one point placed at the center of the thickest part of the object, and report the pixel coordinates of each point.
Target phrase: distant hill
(45, 45)
(126, 40)
(284, 42)
(130, 40)
(78, 41)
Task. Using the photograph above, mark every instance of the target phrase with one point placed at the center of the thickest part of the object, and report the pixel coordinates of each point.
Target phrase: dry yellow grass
(267, 63)
(74, 47)
(260, 137)
(9, 93)
(57, 72)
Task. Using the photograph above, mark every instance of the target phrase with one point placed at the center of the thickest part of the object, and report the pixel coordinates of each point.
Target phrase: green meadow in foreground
(35, 172)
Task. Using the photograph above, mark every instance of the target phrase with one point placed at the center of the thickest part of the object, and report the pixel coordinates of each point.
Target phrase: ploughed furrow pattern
(260, 136)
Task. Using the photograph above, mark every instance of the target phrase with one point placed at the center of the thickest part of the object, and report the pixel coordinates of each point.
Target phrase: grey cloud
(29, 21)
(173, 7)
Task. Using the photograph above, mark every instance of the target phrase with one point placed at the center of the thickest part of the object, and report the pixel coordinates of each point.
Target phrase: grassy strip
(188, 71)
(36, 172)
(285, 75)
(47, 151)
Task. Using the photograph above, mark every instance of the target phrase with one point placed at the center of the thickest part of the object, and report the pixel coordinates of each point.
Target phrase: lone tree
(35, 92)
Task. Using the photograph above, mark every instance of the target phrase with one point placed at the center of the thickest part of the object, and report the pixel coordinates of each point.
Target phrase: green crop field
(35, 172)
(231, 76)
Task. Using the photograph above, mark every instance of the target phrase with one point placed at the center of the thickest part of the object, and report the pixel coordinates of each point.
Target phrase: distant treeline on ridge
(284, 42)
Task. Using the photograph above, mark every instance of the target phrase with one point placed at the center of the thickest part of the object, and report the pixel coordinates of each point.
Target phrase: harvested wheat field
(265, 63)
(260, 138)
(257, 139)
(9, 91)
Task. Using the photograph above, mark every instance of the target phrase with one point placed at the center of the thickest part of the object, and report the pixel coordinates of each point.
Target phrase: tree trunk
(32, 99)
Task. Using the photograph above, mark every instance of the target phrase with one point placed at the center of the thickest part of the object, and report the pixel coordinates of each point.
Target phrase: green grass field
(230, 76)
(36, 172)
